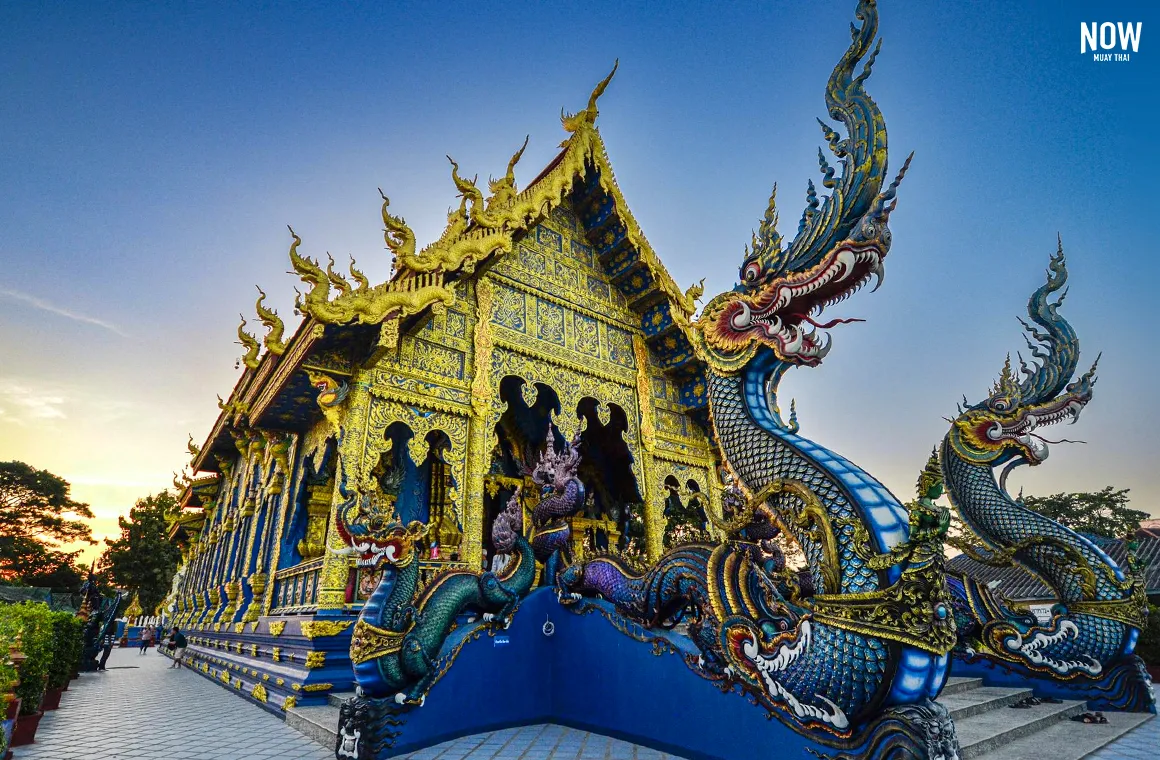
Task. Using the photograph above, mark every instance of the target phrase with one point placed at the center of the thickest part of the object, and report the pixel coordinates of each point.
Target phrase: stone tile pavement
(545, 742)
(139, 708)
(1141, 743)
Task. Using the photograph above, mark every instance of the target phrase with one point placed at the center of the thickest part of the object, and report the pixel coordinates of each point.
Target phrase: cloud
(29, 404)
(39, 303)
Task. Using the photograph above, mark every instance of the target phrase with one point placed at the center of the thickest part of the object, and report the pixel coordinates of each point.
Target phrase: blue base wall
(590, 675)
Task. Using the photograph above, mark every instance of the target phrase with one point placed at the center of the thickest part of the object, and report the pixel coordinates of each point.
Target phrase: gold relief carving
(276, 655)
(257, 583)
(318, 687)
(318, 501)
(313, 629)
(253, 650)
(239, 627)
(551, 319)
(289, 702)
(279, 681)
(481, 388)
(259, 692)
(510, 309)
(438, 360)
(277, 627)
(315, 659)
(369, 642)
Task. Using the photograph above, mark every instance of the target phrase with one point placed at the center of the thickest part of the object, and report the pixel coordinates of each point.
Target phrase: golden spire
(250, 343)
(274, 327)
(930, 476)
(1006, 385)
(587, 117)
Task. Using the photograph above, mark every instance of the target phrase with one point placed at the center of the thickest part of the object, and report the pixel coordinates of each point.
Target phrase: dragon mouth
(1022, 431)
(782, 315)
(372, 554)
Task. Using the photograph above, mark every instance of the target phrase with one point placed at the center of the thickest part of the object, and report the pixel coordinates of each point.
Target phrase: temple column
(654, 509)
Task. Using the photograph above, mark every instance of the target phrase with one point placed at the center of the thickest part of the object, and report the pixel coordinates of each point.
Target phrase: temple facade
(539, 316)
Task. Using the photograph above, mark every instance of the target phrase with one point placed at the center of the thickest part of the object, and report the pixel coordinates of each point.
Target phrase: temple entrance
(524, 431)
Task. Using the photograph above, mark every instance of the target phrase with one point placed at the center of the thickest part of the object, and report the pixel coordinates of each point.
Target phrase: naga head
(1002, 428)
(367, 524)
(841, 241)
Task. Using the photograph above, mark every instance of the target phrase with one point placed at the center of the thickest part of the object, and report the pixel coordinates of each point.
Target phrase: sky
(151, 157)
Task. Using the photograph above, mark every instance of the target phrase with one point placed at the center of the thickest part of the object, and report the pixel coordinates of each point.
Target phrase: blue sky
(153, 155)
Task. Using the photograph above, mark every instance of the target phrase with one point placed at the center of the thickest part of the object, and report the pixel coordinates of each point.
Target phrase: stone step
(987, 731)
(336, 698)
(980, 700)
(1068, 739)
(957, 685)
(317, 722)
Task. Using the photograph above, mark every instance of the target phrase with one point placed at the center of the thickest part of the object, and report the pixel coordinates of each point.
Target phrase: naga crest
(1002, 427)
(841, 240)
(555, 468)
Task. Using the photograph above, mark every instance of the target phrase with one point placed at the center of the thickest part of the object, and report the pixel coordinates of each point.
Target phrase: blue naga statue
(863, 641)
(1086, 650)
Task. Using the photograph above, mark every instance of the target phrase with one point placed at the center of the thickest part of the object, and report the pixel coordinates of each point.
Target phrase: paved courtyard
(140, 708)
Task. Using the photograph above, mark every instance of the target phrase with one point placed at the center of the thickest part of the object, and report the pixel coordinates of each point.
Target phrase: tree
(142, 560)
(1099, 513)
(36, 516)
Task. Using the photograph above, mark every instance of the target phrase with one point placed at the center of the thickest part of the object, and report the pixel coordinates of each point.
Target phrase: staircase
(988, 728)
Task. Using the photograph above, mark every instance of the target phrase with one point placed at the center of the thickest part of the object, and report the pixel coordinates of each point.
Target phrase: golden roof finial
(274, 327)
(192, 447)
(250, 343)
(587, 117)
(358, 276)
(398, 236)
(336, 279)
(503, 190)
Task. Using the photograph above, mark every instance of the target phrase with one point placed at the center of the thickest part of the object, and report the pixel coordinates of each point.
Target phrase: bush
(32, 623)
(67, 639)
(1148, 645)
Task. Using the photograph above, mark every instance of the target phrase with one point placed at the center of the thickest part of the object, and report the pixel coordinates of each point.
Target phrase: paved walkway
(139, 708)
(1141, 743)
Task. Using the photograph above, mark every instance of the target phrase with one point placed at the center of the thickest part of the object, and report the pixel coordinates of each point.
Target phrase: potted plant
(9, 702)
(66, 645)
(32, 623)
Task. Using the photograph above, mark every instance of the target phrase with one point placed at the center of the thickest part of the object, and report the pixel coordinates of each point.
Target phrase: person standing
(178, 640)
(107, 646)
(146, 639)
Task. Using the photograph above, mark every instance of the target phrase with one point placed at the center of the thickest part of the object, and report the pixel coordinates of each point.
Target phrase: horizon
(158, 154)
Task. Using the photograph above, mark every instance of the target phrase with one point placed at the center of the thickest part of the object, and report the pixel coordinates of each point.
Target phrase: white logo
(1096, 37)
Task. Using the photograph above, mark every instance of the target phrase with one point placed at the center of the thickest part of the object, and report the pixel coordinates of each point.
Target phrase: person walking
(146, 639)
(177, 640)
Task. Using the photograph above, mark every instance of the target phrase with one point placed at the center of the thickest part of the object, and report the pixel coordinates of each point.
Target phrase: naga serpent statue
(395, 647)
(1086, 650)
(856, 664)
(396, 641)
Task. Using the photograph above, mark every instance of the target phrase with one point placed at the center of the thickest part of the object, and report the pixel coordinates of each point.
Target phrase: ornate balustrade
(296, 588)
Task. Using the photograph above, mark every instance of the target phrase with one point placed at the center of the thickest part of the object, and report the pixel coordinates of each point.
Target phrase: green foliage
(1148, 645)
(67, 641)
(36, 515)
(142, 560)
(1100, 513)
(31, 622)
